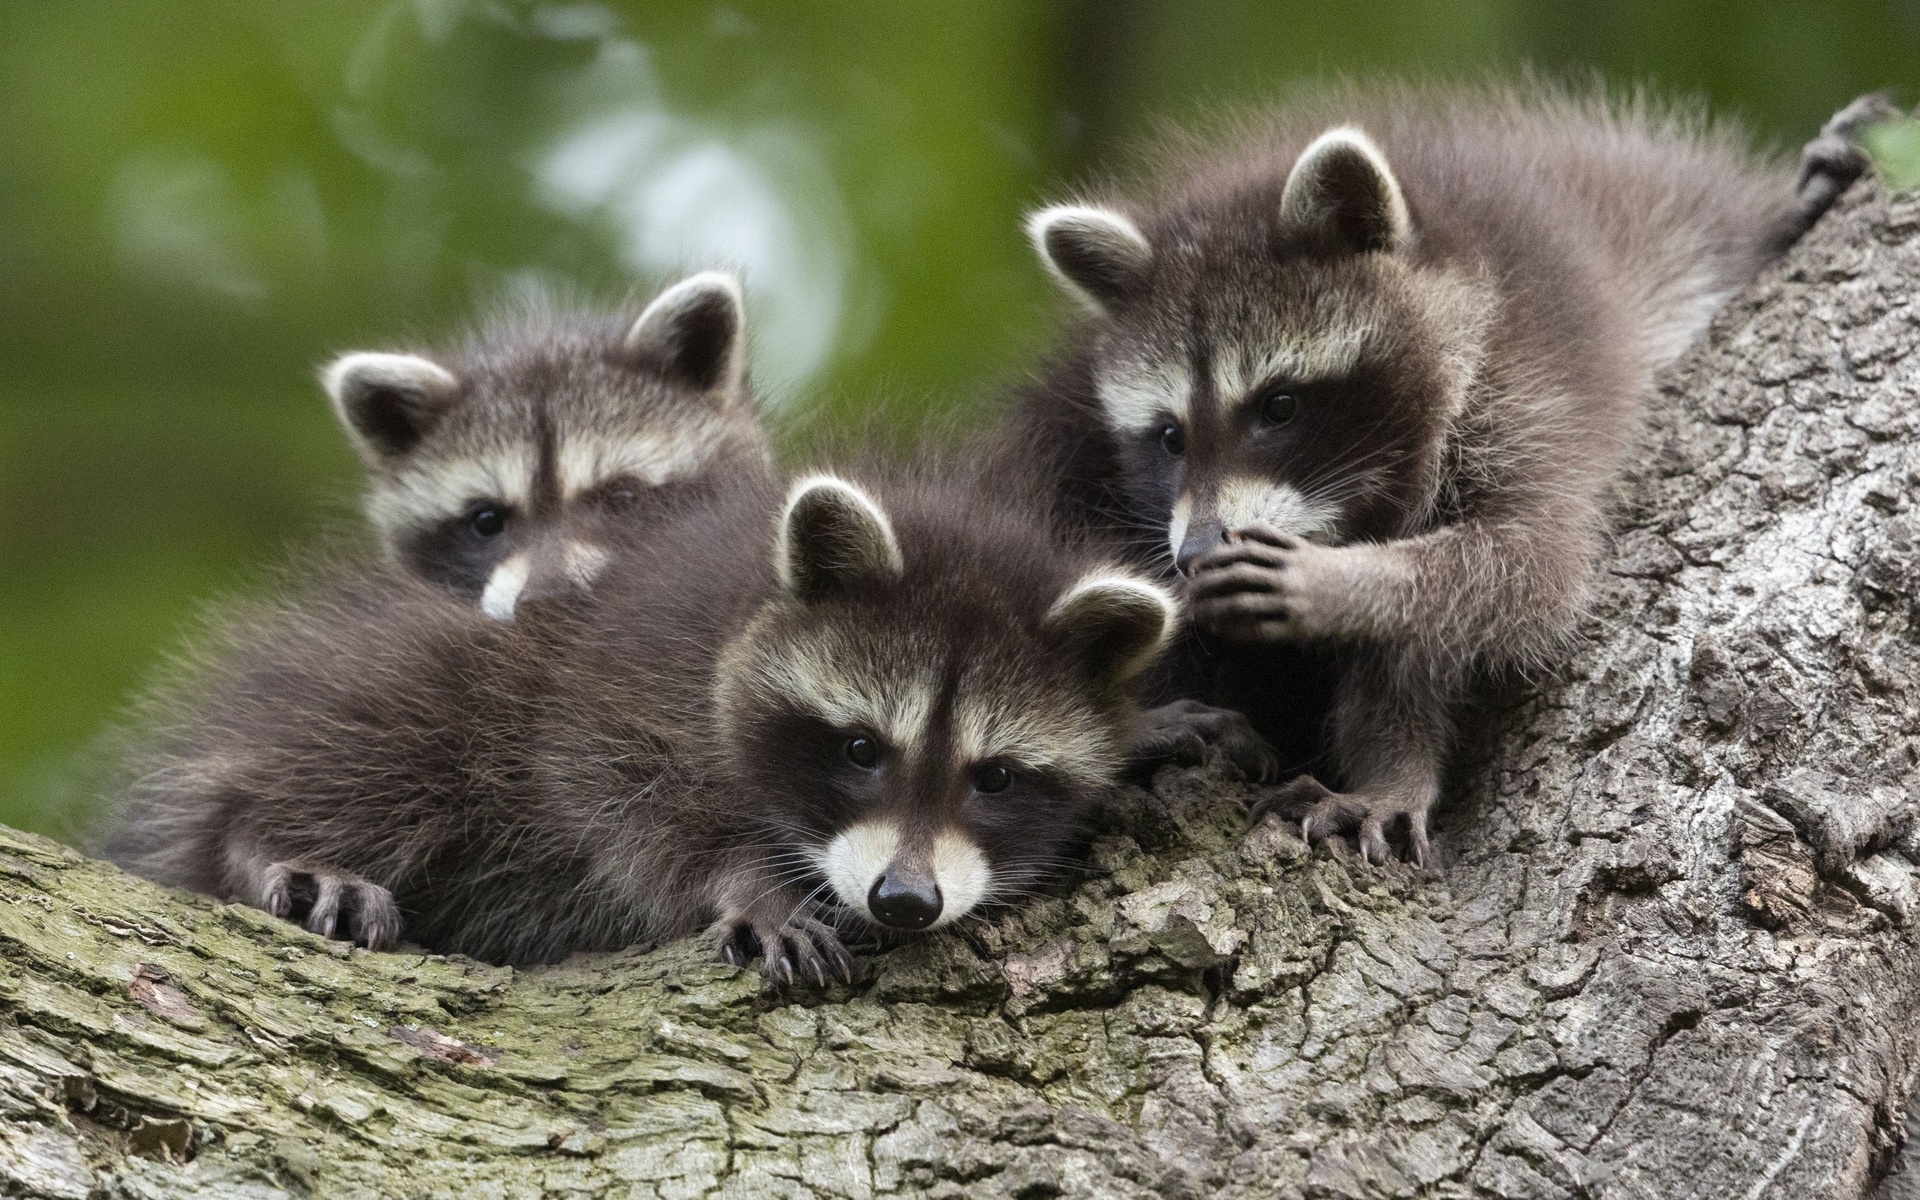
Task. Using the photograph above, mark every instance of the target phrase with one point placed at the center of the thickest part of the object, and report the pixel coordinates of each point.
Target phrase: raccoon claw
(1185, 730)
(333, 904)
(799, 948)
(1323, 813)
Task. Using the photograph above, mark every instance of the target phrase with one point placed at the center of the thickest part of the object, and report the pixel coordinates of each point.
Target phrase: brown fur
(1382, 417)
(548, 433)
(670, 751)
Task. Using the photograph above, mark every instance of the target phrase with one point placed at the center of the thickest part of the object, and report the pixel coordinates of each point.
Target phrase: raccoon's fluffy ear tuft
(388, 402)
(1342, 184)
(695, 332)
(1117, 622)
(833, 535)
(1096, 254)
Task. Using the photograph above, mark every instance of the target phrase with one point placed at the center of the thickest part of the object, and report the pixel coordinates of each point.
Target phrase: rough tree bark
(1669, 950)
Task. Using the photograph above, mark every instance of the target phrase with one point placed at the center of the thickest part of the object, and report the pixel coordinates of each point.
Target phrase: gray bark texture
(1668, 952)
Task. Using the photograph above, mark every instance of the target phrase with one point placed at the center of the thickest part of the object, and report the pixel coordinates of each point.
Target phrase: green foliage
(1895, 146)
(199, 200)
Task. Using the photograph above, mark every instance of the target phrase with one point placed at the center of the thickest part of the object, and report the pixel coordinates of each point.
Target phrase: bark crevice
(1670, 948)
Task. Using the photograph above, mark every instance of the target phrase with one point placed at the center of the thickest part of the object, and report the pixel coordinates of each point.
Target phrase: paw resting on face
(1261, 585)
(1369, 819)
(332, 904)
(789, 943)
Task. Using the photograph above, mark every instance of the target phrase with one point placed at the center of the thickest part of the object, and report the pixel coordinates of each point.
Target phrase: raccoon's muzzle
(903, 898)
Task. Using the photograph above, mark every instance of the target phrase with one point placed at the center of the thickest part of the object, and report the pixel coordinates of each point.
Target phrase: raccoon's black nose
(1200, 539)
(902, 901)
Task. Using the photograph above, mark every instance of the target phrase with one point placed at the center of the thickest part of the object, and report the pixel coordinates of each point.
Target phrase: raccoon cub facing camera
(508, 469)
(1367, 375)
(884, 703)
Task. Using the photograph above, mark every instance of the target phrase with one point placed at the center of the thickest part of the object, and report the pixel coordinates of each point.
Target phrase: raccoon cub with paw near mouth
(1368, 373)
(885, 702)
(508, 469)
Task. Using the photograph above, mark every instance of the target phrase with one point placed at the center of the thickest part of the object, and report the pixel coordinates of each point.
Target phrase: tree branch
(1669, 950)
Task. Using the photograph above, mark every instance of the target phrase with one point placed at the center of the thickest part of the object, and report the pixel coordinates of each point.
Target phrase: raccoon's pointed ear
(1342, 184)
(1117, 622)
(695, 332)
(833, 535)
(388, 402)
(1097, 255)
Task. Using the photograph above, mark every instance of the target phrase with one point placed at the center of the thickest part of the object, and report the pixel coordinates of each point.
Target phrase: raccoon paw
(797, 947)
(1832, 161)
(1267, 586)
(1187, 731)
(1323, 813)
(332, 904)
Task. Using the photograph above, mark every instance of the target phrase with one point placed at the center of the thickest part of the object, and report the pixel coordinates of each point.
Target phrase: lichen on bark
(1668, 950)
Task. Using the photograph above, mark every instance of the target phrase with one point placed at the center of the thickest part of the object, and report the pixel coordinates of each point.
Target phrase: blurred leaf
(201, 199)
(1895, 147)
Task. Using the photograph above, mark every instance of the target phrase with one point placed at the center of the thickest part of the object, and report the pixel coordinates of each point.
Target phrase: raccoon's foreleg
(1472, 591)
(1183, 731)
(1261, 585)
(763, 918)
(333, 904)
(1392, 727)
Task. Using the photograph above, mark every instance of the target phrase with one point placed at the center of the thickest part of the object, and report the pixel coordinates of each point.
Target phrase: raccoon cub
(886, 702)
(506, 469)
(1368, 373)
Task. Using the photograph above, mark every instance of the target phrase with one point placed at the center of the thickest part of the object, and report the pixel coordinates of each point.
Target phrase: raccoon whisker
(776, 887)
(1345, 468)
(808, 899)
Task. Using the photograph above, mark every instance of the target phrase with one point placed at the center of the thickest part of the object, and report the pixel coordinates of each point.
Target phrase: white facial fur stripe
(1330, 356)
(807, 677)
(1137, 399)
(648, 458)
(503, 588)
(437, 491)
(584, 562)
(858, 855)
(963, 875)
(1032, 735)
(1177, 524)
(1244, 501)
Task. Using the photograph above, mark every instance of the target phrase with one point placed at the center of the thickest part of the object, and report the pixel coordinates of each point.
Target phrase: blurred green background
(202, 199)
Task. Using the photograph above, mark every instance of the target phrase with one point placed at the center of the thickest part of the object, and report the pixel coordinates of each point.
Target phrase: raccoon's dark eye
(992, 778)
(1173, 439)
(863, 751)
(1278, 407)
(488, 522)
(620, 493)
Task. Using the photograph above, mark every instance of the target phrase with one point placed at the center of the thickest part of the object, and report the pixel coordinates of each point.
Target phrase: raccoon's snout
(901, 884)
(544, 573)
(904, 899)
(1198, 540)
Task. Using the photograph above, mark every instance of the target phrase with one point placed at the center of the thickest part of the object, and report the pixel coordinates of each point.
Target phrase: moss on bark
(1669, 948)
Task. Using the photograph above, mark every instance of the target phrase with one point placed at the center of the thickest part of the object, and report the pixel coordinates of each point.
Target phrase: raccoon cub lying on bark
(886, 702)
(506, 469)
(1367, 374)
